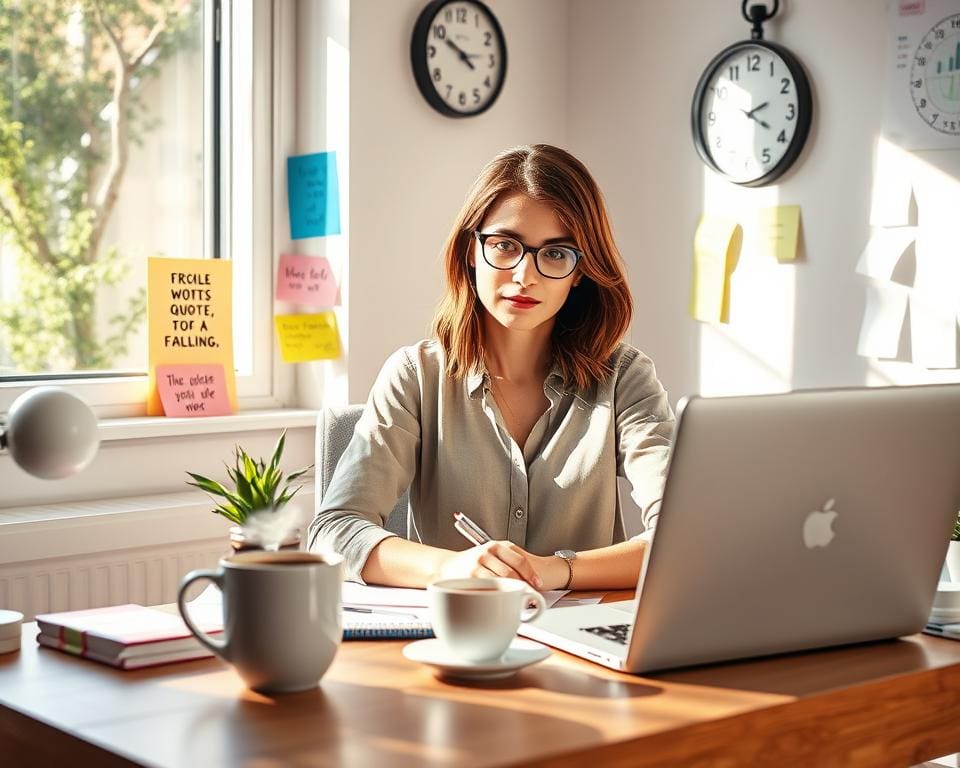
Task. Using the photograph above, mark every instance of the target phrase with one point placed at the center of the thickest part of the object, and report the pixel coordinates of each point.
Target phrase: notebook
(788, 522)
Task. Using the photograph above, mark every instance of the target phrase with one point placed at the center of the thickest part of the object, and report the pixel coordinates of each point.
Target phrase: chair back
(335, 428)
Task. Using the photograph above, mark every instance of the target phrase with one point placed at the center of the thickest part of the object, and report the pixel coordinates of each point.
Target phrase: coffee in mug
(477, 618)
(282, 620)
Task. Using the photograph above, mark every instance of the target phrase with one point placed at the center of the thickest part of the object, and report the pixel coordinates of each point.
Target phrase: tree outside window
(101, 158)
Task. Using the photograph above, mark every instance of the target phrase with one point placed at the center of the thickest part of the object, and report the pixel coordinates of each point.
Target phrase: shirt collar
(479, 379)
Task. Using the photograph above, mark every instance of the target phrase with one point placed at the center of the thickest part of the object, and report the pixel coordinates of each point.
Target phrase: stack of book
(126, 636)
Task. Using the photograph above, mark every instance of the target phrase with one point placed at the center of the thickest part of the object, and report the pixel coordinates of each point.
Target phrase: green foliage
(956, 528)
(256, 485)
(70, 107)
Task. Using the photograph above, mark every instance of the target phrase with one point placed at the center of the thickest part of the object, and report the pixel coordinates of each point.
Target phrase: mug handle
(219, 647)
(535, 610)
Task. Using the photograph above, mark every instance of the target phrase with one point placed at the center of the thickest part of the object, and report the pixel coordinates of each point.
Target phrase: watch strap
(569, 562)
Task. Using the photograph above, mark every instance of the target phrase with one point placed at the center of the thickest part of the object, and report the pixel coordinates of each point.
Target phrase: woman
(522, 410)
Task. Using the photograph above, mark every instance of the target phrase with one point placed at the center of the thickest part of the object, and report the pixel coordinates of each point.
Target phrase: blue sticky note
(313, 195)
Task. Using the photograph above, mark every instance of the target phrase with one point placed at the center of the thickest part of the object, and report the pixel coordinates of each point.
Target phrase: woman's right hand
(494, 558)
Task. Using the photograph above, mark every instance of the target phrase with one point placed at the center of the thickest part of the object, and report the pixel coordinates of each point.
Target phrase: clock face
(935, 77)
(751, 113)
(459, 56)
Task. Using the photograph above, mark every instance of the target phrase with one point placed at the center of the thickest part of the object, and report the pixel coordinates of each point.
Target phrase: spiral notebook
(369, 624)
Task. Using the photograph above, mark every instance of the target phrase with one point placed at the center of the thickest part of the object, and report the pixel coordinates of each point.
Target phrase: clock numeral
(439, 31)
(717, 142)
(461, 15)
(436, 75)
(462, 99)
(448, 15)
(928, 45)
(487, 37)
(753, 62)
(771, 67)
(955, 23)
(486, 81)
(791, 111)
(493, 62)
(734, 72)
(765, 155)
(938, 33)
(922, 61)
(782, 137)
(722, 92)
(923, 103)
(933, 118)
(711, 118)
(784, 85)
(917, 83)
(476, 95)
(431, 51)
(449, 91)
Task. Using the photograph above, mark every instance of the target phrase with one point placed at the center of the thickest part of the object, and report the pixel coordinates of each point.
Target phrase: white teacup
(281, 616)
(476, 619)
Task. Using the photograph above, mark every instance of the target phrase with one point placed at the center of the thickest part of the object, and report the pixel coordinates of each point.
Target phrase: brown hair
(597, 312)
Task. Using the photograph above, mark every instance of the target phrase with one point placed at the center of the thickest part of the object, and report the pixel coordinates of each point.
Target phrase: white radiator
(92, 554)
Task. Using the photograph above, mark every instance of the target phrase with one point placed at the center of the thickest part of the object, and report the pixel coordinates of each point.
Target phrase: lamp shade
(51, 433)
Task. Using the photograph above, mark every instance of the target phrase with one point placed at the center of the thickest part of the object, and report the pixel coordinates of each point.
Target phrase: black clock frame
(421, 68)
(804, 110)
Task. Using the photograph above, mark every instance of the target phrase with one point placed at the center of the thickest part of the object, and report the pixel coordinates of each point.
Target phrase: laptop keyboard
(615, 633)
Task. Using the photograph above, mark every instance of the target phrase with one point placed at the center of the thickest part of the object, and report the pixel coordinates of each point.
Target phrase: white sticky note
(883, 251)
(892, 187)
(882, 319)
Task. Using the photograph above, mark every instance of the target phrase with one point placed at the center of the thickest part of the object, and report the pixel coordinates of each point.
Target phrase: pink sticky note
(193, 390)
(306, 280)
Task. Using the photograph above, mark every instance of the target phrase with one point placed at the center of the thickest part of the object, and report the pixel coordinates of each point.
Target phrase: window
(128, 130)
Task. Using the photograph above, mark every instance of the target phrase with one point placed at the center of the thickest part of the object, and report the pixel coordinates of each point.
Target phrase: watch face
(935, 77)
(751, 113)
(459, 56)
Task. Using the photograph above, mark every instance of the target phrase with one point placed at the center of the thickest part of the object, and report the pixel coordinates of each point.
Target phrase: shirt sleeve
(645, 425)
(375, 469)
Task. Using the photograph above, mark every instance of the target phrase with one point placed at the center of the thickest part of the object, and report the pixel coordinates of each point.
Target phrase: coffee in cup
(477, 618)
(281, 616)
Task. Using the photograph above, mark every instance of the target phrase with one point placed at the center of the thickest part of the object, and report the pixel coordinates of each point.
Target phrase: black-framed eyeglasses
(553, 261)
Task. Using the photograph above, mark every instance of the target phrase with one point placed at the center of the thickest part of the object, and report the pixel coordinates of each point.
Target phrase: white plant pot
(953, 561)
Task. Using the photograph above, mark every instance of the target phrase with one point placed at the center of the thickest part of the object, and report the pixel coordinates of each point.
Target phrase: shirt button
(518, 513)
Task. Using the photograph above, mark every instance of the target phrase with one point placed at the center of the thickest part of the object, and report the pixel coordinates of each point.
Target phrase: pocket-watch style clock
(752, 108)
(935, 76)
(459, 56)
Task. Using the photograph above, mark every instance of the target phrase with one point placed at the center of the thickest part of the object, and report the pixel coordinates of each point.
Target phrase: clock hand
(759, 106)
(463, 55)
(754, 117)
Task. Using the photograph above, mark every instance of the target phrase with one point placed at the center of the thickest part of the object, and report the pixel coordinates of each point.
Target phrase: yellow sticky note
(308, 337)
(189, 318)
(716, 249)
(777, 231)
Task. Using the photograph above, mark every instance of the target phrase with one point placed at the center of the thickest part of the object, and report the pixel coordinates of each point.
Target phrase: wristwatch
(568, 556)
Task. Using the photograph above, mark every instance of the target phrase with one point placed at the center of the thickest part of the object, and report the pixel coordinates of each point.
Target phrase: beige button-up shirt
(445, 439)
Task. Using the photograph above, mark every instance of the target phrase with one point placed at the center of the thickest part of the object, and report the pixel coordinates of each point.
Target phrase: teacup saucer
(434, 653)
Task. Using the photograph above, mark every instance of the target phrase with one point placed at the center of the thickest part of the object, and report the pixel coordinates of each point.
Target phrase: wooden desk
(895, 703)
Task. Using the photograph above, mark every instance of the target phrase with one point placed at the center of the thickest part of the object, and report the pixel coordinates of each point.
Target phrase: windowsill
(141, 427)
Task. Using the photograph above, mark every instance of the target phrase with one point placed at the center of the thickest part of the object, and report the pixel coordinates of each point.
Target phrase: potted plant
(256, 503)
(953, 551)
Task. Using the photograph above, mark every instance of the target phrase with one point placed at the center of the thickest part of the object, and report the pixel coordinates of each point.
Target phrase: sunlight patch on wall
(753, 353)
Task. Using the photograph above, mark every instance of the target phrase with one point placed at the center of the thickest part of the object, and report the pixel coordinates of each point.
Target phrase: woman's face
(521, 298)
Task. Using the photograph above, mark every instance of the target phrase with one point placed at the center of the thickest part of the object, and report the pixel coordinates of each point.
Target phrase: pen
(469, 529)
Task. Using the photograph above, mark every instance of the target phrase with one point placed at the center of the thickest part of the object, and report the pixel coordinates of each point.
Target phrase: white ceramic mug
(282, 620)
(476, 619)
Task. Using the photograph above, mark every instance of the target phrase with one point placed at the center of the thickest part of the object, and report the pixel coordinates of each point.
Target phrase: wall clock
(752, 108)
(935, 76)
(459, 56)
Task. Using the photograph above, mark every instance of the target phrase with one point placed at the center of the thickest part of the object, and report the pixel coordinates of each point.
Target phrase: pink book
(125, 636)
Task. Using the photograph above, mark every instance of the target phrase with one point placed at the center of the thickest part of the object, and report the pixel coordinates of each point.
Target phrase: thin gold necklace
(502, 398)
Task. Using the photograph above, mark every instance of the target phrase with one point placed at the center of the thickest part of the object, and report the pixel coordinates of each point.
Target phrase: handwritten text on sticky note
(308, 337)
(313, 195)
(306, 280)
(193, 390)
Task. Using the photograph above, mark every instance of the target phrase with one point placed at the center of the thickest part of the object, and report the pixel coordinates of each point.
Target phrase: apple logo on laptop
(818, 527)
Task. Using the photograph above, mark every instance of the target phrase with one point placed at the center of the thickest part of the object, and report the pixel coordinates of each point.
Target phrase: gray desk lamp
(50, 433)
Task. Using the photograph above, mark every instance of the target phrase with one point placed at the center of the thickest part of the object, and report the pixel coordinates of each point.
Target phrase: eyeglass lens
(554, 261)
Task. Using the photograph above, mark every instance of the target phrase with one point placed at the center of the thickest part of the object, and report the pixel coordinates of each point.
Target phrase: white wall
(612, 81)
(632, 80)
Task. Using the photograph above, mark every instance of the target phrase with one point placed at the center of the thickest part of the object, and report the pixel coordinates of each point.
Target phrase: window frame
(114, 395)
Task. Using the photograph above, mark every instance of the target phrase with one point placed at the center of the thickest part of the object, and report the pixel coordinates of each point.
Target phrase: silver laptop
(788, 522)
